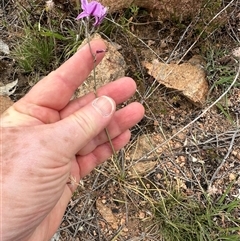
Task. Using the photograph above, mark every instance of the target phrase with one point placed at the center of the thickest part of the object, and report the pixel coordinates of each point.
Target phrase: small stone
(122, 221)
(232, 177)
(212, 190)
(236, 154)
(158, 176)
(236, 52)
(81, 228)
(4, 47)
(182, 164)
(125, 230)
(141, 215)
(182, 158)
(181, 136)
(177, 145)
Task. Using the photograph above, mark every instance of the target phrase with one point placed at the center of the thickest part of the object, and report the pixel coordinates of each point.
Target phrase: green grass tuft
(184, 219)
(35, 51)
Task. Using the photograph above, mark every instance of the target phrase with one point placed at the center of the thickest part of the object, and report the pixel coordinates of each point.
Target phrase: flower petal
(82, 15)
(84, 4)
(97, 22)
(94, 8)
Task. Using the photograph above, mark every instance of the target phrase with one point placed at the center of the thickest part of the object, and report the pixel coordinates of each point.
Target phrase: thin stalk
(95, 81)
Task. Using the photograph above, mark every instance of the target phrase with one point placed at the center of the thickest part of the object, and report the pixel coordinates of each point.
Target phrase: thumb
(82, 126)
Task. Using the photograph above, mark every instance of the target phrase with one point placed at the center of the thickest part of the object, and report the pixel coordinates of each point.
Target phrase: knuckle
(86, 124)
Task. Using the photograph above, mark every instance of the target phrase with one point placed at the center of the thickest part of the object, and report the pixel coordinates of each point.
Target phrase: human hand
(46, 138)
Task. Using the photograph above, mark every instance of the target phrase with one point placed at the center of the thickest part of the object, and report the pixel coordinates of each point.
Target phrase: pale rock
(145, 144)
(236, 52)
(9, 88)
(142, 168)
(141, 215)
(4, 47)
(187, 78)
(107, 214)
(212, 190)
(125, 230)
(236, 154)
(232, 177)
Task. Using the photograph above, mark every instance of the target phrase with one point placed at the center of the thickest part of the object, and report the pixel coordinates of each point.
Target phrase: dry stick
(197, 118)
(224, 159)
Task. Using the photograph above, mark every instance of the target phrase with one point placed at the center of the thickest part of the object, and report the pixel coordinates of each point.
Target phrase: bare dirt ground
(166, 153)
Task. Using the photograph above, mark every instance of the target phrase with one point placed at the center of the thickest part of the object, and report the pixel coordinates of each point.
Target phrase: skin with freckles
(46, 138)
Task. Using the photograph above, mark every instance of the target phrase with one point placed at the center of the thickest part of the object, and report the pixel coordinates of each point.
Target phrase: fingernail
(104, 105)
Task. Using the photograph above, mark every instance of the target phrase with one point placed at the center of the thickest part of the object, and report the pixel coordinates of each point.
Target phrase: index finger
(56, 89)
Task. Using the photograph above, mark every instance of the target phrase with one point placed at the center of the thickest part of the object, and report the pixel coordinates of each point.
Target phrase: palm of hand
(45, 207)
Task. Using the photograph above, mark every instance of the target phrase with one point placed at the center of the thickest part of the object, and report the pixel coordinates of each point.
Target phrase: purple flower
(94, 9)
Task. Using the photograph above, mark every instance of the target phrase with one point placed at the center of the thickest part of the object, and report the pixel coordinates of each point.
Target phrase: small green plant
(45, 41)
(182, 218)
(35, 51)
(221, 73)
